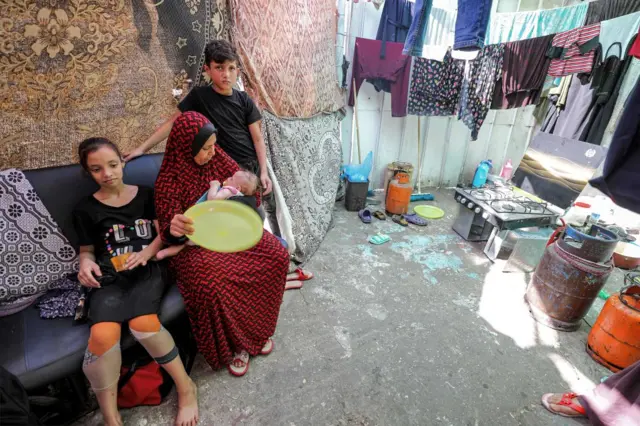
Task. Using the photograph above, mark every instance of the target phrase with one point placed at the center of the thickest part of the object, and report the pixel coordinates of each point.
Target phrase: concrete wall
(448, 155)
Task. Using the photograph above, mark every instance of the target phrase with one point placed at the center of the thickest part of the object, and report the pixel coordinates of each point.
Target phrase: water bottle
(507, 170)
(480, 178)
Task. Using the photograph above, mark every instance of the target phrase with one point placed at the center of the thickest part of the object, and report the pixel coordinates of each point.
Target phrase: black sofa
(41, 351)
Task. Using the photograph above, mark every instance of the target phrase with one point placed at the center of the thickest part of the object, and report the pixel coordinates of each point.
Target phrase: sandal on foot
(379, 239)
(567, 401)
(415, 219)
(301, 275)
(239, 364)
(268, 347)
(379, 214)
(293, 285)
(400, 220)
(365, 215)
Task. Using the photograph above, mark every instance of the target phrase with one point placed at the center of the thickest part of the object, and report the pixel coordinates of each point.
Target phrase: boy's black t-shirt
(116, 230)
(231, 115)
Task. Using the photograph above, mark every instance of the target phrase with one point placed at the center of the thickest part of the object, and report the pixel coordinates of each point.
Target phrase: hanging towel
(603, 10)
(477, 87)
(621, 174)
(506, 27)
(617, 33)
(573, 51)
(393, 69)
(435, 86)
(417, 31)
(524, 70)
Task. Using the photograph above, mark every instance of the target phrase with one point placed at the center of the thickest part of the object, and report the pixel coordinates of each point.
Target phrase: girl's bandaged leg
(103, 371)
(156, 340)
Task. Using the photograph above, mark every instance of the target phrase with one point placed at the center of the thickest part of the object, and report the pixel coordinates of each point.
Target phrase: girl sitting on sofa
(118, 235)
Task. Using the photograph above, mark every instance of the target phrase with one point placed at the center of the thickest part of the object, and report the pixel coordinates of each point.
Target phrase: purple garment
(616, 401)
(524, 69)
(394, 68)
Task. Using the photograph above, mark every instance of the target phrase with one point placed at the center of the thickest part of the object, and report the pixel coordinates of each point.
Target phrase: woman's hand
(181, 226)
(137, 259)
(266, 183)
(133, 154)
(85, 275)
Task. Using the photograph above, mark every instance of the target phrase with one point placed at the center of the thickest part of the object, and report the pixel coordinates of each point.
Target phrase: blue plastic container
(480, 178)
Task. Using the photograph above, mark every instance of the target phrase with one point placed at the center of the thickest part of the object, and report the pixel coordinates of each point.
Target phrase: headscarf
(180, 179)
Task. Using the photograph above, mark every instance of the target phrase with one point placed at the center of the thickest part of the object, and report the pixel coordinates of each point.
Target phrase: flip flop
(293, 285)
(242, 359)
(379, 239)
(400, 220)
(567, 402)
(268, 347)
(379, 214)
(415, 219)
(302, 275)
(365, 215)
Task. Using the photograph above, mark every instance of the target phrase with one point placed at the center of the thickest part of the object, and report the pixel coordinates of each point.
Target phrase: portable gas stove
(490, 212)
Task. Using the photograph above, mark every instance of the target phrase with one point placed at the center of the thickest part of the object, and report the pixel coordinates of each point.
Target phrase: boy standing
(234, 114)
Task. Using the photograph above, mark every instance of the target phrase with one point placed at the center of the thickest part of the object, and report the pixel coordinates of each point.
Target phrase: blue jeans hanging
(471, 24)
(418, 29)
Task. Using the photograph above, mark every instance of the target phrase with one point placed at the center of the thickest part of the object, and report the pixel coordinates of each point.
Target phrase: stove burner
(519, 205)
(490, 193)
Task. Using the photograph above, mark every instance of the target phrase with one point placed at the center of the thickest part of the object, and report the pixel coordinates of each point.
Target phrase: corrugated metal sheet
(448, 155)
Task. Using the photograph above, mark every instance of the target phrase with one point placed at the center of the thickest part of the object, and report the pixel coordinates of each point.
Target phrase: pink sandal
(268, 347)
(301, 276)
(239, 365)
(567, 401)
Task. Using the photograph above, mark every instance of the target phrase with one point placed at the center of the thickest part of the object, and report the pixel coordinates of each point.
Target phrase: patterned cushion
(33, 252)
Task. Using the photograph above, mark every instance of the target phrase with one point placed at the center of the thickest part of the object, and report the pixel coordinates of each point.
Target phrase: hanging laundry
(617, 33)
(477, 87)
(578, 109)
(516, 26)
(573, 51)
(635, 48)
(608, 9)
(631, 76)
(471, 24)
(557, 99)
(418, 29)
(394, 69)
(524, 70)
(435, 86)
(621, 175)
(394, 22)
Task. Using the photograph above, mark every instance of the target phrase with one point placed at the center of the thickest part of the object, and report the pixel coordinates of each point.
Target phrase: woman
(614, 402)
(233, 299)
(120, 219)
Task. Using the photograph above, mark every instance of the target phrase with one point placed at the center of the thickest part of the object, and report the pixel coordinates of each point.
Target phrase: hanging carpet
(287, 50)
(80, 68)
(306, 155)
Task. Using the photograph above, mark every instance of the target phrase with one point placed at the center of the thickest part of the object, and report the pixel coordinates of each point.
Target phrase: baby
(242, 183)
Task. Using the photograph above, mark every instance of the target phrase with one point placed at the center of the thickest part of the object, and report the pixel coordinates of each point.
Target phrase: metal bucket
(563, 288)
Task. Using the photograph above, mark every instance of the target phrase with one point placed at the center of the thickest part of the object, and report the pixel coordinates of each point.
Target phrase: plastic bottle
(507, 170)
(480, 178)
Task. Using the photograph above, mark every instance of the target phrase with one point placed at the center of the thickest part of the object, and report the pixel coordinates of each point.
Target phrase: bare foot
(188, 407)
(114, 421)
(551, 401)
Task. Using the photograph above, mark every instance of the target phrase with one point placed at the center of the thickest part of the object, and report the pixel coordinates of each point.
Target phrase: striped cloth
(572, 61)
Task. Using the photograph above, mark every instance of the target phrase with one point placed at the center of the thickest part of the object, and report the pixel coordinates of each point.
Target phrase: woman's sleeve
(167, 206)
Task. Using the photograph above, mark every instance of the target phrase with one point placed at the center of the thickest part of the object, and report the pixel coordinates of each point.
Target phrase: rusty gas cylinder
(614, 340)
(563, 288)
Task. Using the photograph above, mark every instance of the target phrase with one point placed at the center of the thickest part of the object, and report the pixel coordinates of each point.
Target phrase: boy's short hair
(220, 51)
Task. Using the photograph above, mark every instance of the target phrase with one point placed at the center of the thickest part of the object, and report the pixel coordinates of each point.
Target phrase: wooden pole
(355, 118)
(419, 168)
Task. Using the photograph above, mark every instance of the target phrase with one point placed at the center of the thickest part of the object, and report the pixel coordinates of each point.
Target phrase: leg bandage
(103, 371)
(159, 344)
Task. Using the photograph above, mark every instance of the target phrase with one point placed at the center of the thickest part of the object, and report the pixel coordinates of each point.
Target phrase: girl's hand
(181, 226)
(85, 275)
(137, 259)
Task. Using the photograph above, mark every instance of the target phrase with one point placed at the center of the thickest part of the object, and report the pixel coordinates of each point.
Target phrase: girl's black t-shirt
(116, 230)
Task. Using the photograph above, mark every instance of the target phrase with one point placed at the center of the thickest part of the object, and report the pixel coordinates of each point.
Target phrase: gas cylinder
(564, 286)
(614, 340)
(399, 194)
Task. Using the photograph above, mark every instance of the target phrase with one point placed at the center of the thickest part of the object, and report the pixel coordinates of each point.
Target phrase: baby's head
(244, 181)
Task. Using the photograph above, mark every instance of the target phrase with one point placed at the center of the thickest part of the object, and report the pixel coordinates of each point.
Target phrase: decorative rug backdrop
(77, 68)
(287, 50)
(34, 254)
(306, 155)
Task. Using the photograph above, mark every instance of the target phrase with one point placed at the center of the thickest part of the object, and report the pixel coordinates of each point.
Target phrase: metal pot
(626, 255)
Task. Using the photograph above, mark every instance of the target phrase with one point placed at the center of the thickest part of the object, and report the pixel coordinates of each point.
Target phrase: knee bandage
(159, 344)
(103, 371)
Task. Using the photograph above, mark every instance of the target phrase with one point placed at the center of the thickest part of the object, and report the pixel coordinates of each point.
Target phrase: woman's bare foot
(570, 407)
(188, 407)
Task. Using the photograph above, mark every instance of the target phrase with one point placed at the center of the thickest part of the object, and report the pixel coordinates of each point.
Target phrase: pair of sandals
(366, 216)
(240, 363)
